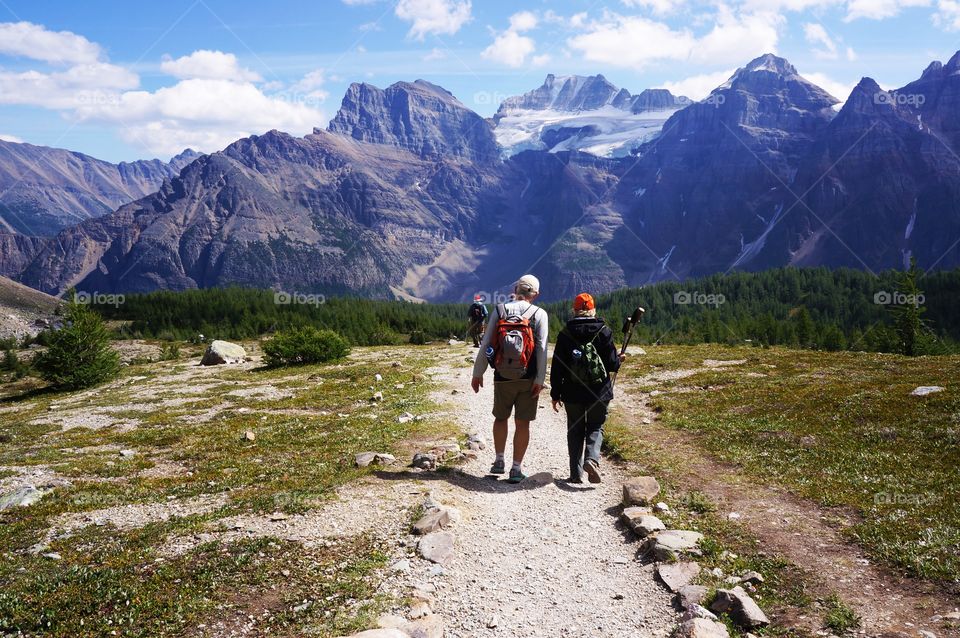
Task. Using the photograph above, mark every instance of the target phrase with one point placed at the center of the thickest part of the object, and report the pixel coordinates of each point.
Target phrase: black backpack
(476, 311)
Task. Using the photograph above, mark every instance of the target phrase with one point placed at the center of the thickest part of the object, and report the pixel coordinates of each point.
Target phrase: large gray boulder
(223, 352)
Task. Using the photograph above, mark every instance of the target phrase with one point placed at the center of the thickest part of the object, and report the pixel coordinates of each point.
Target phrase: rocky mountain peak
(417, 116)
(771, 63)
(953, 65)
(774, 77)
(932, 70)
(869, 100)
(184, 157)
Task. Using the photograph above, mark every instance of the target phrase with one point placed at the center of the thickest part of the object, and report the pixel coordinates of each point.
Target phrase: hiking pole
(628, 325)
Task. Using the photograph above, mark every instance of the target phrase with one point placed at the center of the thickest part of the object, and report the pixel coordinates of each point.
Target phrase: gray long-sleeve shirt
(540, 332)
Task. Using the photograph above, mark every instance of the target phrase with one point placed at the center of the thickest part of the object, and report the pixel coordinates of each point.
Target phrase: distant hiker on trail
(583, 359)
(477, 316)
(515, 344)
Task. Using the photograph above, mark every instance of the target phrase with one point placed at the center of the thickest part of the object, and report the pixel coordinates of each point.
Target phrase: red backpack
(513, 342)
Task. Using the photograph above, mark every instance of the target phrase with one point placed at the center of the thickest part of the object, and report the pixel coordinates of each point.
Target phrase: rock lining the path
(365, 459)
(677, 575)
(742, 609)
(640, 490)
(669, 545)
(702, 628)
(437, 547)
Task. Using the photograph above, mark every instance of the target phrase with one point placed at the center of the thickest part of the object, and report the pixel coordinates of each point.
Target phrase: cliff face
(47, 189)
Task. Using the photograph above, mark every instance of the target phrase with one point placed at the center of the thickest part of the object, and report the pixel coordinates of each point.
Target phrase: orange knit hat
(583, 302)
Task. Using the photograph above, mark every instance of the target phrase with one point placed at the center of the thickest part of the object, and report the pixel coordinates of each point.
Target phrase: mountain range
(410, 194)
(43, 190)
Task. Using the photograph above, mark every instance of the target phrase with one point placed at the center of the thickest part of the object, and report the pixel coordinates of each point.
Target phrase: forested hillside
(808, 308)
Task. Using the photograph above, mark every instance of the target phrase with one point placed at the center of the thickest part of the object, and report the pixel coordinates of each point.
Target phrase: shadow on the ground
(488, 484)
(32, 393)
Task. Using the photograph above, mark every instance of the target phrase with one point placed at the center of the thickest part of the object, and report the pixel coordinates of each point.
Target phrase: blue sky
(123, 81)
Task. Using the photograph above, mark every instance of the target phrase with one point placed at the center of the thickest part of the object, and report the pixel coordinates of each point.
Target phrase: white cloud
(509, 48)
(308, 89)
(10, 138)
(637, 42)
(34, 41)
(788, 5)
(523, 21)
(205, 114)
(659, 7)
(735, 39)
(880, 9)
(208, 65)
(697, 87)
(541, 60)
(948, 15)
(80, 85)
(839, 90)
(214, 103)
(631, 41)
(817, 35)
(438, 17)
(434, 55)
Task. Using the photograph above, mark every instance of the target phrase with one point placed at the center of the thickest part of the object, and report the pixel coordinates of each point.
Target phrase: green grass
(838, 428)
(727, 545)
(840, 618)
(304, 447)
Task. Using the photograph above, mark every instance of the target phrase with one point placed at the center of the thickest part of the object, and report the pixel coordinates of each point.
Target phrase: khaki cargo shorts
(508, 395)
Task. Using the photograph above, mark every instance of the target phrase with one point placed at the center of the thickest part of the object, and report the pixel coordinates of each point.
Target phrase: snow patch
(750, 250)
(910, 225)
(617, 131)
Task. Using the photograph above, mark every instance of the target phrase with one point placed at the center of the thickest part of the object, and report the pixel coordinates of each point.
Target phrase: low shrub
(304, 345)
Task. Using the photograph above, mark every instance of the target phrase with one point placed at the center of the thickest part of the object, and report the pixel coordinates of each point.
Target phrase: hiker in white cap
(515, 345)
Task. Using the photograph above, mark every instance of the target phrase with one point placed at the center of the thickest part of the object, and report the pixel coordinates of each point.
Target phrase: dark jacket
(562, 388)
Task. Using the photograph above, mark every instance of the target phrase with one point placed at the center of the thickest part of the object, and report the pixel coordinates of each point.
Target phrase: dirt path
(544, 558)
(794, 527)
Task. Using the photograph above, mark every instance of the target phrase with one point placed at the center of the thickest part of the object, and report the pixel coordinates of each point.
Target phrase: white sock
(516, 465)
(499, 458)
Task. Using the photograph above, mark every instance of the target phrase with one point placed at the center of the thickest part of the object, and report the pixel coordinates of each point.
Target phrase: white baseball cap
(527, 284)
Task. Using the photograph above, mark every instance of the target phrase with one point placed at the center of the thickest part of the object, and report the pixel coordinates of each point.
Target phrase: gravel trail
(544, 558)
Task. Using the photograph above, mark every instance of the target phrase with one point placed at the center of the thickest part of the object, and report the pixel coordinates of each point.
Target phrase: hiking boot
(593, 470)
(516, 476)
(498, 467)
(575, 480)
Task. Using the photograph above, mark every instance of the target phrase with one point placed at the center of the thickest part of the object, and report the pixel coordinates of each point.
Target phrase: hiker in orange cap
(583, 360)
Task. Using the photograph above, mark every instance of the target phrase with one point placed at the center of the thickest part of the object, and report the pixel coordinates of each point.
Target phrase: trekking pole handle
(628, 325)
